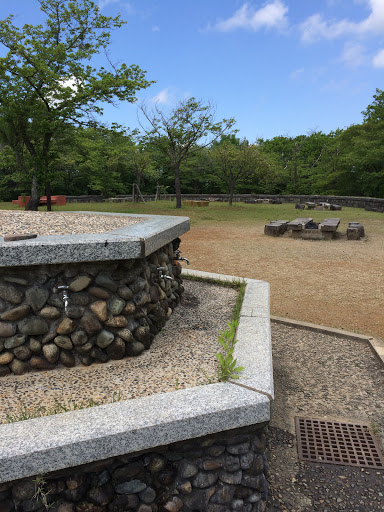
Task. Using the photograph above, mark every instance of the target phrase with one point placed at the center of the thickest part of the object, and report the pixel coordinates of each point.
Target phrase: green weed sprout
(228, 368)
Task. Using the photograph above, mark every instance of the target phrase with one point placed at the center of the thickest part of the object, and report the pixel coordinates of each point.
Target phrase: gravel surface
(321, 376)
(57, 223)
(179, 357)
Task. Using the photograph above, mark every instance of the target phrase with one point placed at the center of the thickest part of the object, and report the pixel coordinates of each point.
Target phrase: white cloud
(378, 60)
(335, 86)
(104, 3)
(353, 55)
(163, 97)
(316, 27)
(295, 74)
(272, 15)
(129, 9)
(155, 28)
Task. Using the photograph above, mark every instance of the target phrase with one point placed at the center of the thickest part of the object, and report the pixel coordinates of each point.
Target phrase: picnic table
(304, 227)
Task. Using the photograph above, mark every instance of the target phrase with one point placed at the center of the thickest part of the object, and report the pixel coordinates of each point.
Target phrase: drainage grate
(334, 442)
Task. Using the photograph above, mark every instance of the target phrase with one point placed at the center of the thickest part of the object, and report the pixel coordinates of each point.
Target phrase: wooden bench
(43, 201)
(24, 200)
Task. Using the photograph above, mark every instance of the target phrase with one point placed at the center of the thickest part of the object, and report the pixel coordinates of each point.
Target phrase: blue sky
(279, 67)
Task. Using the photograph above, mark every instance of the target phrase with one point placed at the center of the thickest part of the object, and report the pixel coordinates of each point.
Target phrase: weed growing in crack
(25, 413)
(40, 493)
(228, 369)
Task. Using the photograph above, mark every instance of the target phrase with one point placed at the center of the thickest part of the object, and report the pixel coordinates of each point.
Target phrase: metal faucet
(65, 294)
(181, 258)
(162, 274)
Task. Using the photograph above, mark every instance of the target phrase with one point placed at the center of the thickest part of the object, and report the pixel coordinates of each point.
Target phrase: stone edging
(70, 439)
(130, 242)
(376, 345)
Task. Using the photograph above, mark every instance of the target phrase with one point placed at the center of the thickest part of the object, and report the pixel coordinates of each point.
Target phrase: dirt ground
(338, 283)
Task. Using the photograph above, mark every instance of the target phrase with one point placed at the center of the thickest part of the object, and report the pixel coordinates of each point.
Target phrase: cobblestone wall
(114, 310)
(225, 472)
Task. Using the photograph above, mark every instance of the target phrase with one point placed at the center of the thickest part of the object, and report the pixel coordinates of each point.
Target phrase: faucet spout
(162, 274)
(181, 258)
(64, 289)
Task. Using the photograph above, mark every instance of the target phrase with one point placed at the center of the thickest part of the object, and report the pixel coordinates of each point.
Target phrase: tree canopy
(47, 81)
(177, 134)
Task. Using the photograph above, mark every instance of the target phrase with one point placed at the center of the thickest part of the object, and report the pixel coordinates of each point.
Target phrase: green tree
(361, 169)
(47, 81)
(141, 163)
(235, 164)
(177, 134)
(99, 160)
(375, 111)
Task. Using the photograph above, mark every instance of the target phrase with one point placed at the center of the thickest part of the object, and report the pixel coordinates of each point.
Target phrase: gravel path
(58, 223)
(321, 376)
(179, 357)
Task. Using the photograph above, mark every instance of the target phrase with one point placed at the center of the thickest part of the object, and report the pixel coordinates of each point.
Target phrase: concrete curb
(376, 344)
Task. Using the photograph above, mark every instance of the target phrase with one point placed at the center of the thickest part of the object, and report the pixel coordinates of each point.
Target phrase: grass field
(337, 283)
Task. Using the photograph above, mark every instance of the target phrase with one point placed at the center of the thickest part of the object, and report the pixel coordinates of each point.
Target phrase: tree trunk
(34, 200)
(48, 194)
(177, 186)
(231, 187)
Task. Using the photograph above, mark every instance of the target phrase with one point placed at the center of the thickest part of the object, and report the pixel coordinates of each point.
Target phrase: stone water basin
(83, 297)
(101, 262)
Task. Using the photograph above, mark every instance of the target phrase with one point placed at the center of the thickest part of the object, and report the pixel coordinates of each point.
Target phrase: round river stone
(100, 309)
(33, 326)
(51, 352)
(104, 338)
(16, 313)
(63, 342)
(79, 283)
(15, 341)
(7, 330)
(36, 297)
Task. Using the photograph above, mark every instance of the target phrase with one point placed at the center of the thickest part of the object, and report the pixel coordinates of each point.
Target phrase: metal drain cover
(334, 442)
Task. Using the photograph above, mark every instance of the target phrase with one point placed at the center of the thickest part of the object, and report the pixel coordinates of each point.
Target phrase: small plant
(374, 427)
(40, 493)
(228, 368)
(116, 397)
(240, 285)
(27, 414)
(210, 379)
